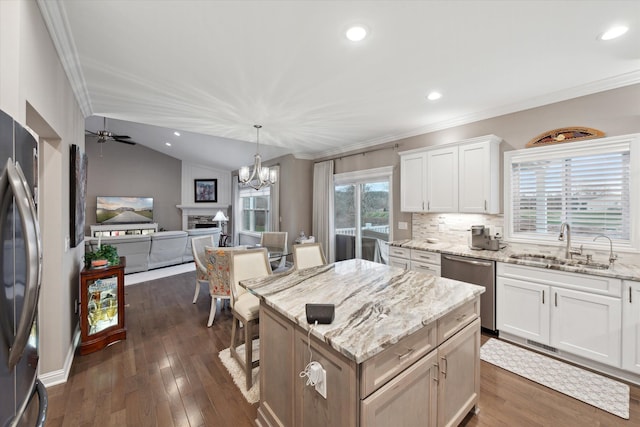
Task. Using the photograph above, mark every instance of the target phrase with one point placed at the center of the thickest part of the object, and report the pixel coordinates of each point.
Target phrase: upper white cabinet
(442, 180)
(479, 175)
(460, 177)
(413, 169)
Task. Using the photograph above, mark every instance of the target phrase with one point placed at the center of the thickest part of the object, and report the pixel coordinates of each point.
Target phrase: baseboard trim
(61, 376)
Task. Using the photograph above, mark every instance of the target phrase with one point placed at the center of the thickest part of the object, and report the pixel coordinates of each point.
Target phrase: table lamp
(220, 218)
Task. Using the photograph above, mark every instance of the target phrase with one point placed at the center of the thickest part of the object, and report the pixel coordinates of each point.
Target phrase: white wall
(34, 90)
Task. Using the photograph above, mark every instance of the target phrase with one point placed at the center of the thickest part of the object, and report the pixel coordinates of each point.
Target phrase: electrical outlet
(321, 385)
(403, 225)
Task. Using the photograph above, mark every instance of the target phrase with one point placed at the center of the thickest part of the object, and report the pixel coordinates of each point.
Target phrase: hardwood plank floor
(167, 373)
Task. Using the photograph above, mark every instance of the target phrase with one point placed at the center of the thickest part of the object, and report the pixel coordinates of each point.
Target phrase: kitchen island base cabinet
(436, 388)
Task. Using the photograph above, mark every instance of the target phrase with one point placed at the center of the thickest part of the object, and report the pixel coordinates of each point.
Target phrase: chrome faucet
(612, 256)
(569, 252)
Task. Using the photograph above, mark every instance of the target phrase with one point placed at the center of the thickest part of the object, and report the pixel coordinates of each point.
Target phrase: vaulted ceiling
(213, 69)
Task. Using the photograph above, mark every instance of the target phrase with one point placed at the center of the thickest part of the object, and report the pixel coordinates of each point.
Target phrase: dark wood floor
(167, 373)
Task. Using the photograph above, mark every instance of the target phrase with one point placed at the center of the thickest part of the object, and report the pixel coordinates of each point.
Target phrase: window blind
(590, 192)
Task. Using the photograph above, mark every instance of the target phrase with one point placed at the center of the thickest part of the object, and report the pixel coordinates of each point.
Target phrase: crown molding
(55, 19)
(539, 101)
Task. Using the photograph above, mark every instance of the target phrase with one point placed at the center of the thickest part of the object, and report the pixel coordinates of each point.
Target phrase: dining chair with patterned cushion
(197, 248)
(245, 307)
(218, 264)
(306, 255)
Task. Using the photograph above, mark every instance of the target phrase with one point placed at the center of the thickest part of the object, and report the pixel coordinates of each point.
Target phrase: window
(587, 185)
(254, 209)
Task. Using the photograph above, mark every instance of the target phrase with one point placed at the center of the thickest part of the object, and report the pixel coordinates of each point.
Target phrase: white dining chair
(275, 242)
(245, 307)
(306, 255)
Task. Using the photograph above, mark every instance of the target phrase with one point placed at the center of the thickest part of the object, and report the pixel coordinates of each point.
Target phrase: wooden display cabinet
(101, 307)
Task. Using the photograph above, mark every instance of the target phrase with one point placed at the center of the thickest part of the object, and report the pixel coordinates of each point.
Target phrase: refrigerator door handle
(43, 399)
(27, 212)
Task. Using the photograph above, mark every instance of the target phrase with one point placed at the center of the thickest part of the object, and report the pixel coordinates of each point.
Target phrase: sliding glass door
(362, 213)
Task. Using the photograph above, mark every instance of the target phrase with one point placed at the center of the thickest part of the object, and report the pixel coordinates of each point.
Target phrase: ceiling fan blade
(90, 132)
(120, 136)
(123, 141)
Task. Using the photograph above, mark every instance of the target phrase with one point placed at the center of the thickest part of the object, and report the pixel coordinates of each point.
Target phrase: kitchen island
(403, 349)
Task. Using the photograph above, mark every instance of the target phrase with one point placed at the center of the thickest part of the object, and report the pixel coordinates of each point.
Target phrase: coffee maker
(481, 238)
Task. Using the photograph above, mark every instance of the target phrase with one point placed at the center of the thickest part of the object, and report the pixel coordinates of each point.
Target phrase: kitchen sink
(555, 262)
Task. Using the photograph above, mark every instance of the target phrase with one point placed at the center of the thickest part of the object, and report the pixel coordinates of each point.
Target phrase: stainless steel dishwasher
(478, 272)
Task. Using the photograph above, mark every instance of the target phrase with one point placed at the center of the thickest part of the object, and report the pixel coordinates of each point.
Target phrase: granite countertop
(619, 270)
(376, 304)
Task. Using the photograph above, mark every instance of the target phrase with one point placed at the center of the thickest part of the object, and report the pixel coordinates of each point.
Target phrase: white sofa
(161, 249)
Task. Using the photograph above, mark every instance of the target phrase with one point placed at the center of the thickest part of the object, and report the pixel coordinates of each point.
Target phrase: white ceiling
(212, 69)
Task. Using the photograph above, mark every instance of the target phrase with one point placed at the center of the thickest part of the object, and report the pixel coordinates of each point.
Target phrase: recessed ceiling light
(176, 133)
(356, 33)
(168, 144)
(433, 96)
(614, 32)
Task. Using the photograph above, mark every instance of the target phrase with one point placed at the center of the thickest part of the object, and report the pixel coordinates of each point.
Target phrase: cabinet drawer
(399, 262)
(399, 252)
(457, 319)
(425, 267)
(385, 365)
(425, 256)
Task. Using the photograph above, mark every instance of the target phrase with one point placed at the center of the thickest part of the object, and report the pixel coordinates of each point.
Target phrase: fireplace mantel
(201, 209)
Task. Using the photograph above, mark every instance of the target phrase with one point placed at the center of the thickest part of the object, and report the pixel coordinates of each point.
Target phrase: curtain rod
(392, 147)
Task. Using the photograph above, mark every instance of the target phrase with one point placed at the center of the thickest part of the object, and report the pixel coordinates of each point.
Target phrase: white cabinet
(576, 313)
(442, 180)
(400, 257)
(459, 177)
(479, 180)
(523, 308)
(413, 169)
(425, 261)
(631, 326)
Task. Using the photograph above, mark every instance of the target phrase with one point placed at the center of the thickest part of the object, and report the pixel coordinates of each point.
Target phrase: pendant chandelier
(260, 176)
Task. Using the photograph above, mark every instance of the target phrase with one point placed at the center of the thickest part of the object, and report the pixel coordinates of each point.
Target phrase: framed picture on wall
(206, 190)
(77, 193)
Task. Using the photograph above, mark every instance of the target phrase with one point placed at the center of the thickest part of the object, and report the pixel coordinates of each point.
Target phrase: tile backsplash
(452, 228)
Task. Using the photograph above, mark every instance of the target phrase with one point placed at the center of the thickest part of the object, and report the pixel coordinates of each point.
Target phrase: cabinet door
(412, 182)
(587, 325)
(276, 366)
(409, 399)
(479, 174)
(442, 180)
(459, 384)
(631, 327)
(522, 309)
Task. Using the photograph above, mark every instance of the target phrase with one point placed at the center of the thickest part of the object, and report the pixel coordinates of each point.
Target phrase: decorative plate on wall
(558, 136)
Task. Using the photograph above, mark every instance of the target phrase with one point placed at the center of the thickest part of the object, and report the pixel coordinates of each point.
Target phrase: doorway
(362, 214)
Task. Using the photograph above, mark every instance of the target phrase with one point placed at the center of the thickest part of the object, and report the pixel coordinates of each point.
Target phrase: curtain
(323, 225)
(274, 218)
(235, 214)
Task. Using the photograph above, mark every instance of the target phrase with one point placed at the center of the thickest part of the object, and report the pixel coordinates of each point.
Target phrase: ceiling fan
(104, 135)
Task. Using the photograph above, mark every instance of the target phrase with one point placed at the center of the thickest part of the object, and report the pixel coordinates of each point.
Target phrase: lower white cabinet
(575, 313)
(631, 326)
(415, 259)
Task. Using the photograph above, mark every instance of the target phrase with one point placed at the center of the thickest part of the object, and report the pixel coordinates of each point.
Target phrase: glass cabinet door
(102, 304)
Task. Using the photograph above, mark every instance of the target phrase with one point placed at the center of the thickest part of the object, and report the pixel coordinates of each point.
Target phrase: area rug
(601, 392)
(234, 368)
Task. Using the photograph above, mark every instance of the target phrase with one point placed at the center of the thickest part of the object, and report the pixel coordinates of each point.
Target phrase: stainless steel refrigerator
(23, 399)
